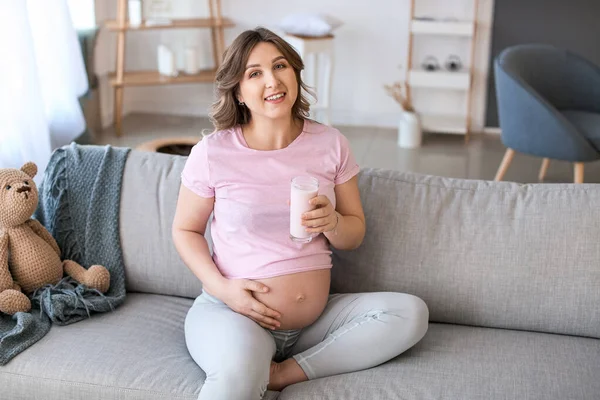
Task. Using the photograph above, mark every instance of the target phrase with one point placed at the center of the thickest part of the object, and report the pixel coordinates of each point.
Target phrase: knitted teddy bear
(29, 249)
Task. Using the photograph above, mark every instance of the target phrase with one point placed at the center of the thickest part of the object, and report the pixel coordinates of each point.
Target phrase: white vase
(135, 12)
(166, 61)
(191, 61)
(409, 131)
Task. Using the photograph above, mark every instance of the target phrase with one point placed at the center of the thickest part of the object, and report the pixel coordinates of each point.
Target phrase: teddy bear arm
(44, 234)
(6, 281)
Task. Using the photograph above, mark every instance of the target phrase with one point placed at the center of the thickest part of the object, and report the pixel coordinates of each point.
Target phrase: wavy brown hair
(226, 112)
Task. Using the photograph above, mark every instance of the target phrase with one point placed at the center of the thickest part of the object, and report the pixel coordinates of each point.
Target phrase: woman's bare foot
(284, 374)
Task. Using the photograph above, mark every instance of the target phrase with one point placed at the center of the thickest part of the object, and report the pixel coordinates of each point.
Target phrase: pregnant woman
(265, 318)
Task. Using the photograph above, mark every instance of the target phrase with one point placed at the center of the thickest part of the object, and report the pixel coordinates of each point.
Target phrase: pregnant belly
(300, 298)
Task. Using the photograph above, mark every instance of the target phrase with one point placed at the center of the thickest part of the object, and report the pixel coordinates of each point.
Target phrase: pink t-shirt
(251, 219)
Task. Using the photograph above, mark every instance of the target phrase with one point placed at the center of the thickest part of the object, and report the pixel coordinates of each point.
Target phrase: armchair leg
(579, 172)
(508, 156)
(544, 169)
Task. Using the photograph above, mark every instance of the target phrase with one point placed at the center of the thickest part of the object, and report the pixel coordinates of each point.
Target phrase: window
(82, 13)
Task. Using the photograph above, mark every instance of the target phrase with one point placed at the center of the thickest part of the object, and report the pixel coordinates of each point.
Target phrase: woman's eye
(255, 73)
(280, 66)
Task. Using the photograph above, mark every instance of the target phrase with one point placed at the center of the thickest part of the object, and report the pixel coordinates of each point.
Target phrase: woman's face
(269, 87)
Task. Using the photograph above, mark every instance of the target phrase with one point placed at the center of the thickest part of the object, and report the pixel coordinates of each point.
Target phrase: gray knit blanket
(79, 205)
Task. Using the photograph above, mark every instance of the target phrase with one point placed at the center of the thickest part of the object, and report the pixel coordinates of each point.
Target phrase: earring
(241, 103)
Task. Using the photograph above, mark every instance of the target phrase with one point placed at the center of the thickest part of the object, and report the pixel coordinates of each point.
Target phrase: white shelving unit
(459, 80)
(457, 28)
(442, 79)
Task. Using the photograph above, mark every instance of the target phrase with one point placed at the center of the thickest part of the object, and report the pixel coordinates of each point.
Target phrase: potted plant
(409, 127)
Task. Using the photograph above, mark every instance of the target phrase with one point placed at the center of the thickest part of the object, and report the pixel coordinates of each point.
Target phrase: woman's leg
(359, 331)
(234, 351)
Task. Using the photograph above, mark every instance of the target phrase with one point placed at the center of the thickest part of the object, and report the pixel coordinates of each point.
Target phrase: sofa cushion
(139, 352)
(494, 254)
(467, 363)
(148, 200)
(136, 352)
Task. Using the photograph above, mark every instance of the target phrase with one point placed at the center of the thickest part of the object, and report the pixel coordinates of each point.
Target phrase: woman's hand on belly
(238, 295)
(300, 298)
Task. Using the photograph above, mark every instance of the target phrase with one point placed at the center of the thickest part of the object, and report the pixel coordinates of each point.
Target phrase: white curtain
(42, 74)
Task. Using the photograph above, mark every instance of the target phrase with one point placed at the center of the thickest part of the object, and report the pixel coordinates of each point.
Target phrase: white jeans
(354, 332)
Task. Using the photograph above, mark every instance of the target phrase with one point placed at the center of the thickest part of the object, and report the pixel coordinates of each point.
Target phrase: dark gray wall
(569, 24)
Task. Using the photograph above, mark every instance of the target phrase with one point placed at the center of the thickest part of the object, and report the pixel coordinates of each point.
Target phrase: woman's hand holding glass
(322, 219)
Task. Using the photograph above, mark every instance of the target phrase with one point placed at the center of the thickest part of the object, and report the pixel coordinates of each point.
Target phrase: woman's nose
(271, 80)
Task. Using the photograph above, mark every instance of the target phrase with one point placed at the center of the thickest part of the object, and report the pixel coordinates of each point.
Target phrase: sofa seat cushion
(139, 352)
(467, 363)
(136, 352)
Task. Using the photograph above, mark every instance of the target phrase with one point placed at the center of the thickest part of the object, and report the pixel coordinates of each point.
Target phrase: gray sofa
(511, 275)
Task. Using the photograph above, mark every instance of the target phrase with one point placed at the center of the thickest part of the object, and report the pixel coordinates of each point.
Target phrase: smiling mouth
(275, 97)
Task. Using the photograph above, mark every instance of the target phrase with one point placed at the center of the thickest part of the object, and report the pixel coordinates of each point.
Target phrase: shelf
(440, 79)
(444, 123)
(113, 25)
(143, 78)
(454, 28)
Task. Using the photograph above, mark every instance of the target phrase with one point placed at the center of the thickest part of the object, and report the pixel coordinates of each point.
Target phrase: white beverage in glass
(303, 189)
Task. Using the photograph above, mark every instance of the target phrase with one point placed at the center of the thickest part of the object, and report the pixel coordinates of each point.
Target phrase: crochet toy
(29, 255)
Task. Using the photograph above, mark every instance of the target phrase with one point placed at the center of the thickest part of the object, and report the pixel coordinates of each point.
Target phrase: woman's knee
(406, 305)
(410, 315)
(418, 313)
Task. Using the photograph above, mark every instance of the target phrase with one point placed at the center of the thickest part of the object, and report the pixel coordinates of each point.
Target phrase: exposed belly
(300, 298)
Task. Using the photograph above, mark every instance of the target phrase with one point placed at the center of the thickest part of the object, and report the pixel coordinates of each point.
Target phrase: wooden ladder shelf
(121, 78)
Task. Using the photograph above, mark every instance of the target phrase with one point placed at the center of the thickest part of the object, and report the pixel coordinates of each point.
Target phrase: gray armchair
(548, 106)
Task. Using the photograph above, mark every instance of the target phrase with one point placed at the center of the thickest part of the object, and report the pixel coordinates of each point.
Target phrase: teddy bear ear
(30, 169)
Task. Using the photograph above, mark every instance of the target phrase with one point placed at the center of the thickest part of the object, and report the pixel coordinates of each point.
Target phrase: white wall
(369, 49)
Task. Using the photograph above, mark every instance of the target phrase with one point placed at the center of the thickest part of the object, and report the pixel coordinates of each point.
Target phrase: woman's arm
(344, 226)
(189, 225)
